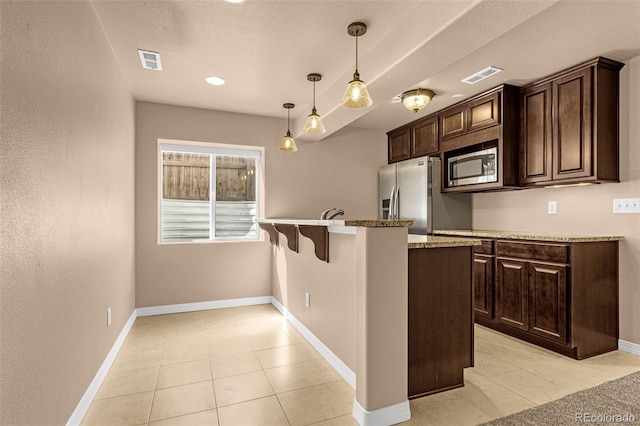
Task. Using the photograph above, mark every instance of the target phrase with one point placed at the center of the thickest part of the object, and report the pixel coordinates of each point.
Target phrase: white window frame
(212, 148)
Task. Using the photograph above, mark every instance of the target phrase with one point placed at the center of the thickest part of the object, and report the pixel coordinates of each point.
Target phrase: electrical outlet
(109, 317)
(626, 205)
(307, 299)
(552, 207)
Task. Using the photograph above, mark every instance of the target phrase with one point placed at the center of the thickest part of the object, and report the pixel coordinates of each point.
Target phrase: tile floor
(248, 366)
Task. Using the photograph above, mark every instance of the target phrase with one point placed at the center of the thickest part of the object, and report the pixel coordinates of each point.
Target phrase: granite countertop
(526, 235)
(435, 241)
(370, 223)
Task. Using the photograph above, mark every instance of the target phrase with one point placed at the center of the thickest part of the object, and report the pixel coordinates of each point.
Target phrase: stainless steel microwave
(472, 168)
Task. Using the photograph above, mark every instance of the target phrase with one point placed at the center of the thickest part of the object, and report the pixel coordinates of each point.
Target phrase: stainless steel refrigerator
(410, 189)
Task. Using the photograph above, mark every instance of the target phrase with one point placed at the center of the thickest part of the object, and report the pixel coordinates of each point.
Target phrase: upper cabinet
(570, 126)
(481, 112)
(413, 140)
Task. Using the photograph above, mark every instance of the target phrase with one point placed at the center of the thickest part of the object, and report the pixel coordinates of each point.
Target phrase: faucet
(326, 215)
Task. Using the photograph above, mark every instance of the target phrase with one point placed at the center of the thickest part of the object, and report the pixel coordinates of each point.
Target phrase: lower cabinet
(440, 343)
(563, 297)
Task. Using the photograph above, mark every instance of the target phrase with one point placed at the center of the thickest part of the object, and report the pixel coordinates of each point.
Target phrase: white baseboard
(82, 407)
(337, 364)
(632, 348)
(202, 306)
(385, 416)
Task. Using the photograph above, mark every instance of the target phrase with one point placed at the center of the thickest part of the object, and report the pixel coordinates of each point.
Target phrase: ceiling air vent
(150, 60)
(481, 75)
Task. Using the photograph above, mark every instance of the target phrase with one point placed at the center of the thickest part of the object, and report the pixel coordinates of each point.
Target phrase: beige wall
(339, 172)
(587, 209)
(67, 200)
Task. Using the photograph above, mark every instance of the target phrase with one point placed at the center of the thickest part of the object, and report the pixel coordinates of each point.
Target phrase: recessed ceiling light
(457, 95)
(235, 1)
(150, 60)
(216, 81)
(481, 75)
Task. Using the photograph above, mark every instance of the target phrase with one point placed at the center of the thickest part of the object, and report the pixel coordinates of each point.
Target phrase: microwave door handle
(392, 201)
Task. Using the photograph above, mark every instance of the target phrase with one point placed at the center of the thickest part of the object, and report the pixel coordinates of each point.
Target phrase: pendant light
(356, 96)
(287, 144)
(416, 99)
(314, 124)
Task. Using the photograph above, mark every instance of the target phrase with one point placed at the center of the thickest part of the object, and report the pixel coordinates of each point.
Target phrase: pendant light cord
(356, 53)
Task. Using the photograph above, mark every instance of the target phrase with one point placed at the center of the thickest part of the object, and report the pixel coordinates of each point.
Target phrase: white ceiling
(265, 49)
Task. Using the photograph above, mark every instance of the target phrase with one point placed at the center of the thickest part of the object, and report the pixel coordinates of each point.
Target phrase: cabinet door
(547, 300)
(536, 145)
(483, 285)
(453, 122)
(484, 112)
(512, 292)
(572, 147)
(399, 142)
(425, 137)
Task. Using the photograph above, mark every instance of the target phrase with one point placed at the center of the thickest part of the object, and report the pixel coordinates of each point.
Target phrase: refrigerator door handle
(397, 200)
(392, 202)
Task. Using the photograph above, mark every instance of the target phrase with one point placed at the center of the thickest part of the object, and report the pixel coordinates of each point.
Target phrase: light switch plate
(626, 205)
(552, 207)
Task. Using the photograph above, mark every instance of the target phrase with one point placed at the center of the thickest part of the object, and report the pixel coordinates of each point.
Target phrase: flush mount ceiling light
(481, 75)
(314, 124)
(356, 96)
(215, 81)
(150, 60)
(287, 144)
(416, 99)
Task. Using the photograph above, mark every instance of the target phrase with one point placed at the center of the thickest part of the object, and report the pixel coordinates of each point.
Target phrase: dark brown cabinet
(399, 144)
(480, 112)
(440, 341)
(561, 296)
(569, 126)
(483, 260)
(453, 122)
(425, 137)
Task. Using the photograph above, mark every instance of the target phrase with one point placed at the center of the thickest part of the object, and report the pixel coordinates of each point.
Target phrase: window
(209, 192)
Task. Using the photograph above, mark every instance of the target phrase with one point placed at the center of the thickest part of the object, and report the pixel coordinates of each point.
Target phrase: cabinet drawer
(485, 248)
(533, 251)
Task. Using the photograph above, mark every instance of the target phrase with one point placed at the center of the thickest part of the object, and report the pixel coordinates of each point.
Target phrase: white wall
(67, 206)
(587, 209)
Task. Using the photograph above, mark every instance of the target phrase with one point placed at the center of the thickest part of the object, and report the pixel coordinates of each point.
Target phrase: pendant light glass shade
(356, 96)
(416, 99)
(287, 144)
(314, 125)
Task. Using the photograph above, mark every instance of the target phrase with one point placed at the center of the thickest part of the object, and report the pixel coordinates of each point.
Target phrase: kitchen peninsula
(376, 304)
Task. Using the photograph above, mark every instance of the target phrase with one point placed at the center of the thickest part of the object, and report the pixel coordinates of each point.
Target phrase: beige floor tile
(346, 420)
(220, 317)
(203, 418)
(152, 325)
(134, 359)
(234, 364)
(271, 325)
(258, 412)
(317, 403)
(445, 409)
(128, 410)
(181, 400)
(293, 334)
(241, 388)
(178, 352)
(276, 357)
(187, 321)
(214, 334)
(232, 346)
(492, 398)
(269, 340)
(126, 382)
(184, 373)
(488, 365)
(532, 387)
(297, 376)
(143, 343)
(573, 376)
(614, 364)
(471, 376)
